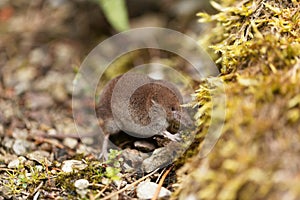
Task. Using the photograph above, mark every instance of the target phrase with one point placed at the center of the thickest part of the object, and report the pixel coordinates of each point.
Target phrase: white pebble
(146, 190)
(81, 184)
(71, 165)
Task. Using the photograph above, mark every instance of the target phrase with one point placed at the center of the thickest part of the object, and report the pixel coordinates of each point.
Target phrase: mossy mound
(257, 46)
(264, 35)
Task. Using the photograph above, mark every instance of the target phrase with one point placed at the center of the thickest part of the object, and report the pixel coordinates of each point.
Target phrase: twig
(36, 196)
(36, 189)
(99, 193)
(7, 169)
(130, 185)
(161, 183)
(61, 136)
(160, 175)
(46, 140)
(96, 185)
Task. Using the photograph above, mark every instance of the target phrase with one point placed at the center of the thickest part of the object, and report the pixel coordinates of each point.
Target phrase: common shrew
(140, 106)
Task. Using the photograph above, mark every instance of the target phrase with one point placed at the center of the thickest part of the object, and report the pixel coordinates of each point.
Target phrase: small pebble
(119, 183)
(87, 140)
(13, 164)
(46, 147)
(16, 162)
(59, 92)
(8, 142)
(38, 100)
(23, 77)
(81, 187)
(25, 74)
(146, 190)
(83, 149)
(44, 127)
(70, 142)
(22, 159)
(37, 56)
(21, 147)
(71, 165)
(81, 184)
(51, 131)
(159, 158)
(20, 133)
(39, 156)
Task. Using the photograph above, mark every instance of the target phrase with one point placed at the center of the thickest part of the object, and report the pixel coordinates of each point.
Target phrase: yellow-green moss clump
(257, 46)
(263, 34)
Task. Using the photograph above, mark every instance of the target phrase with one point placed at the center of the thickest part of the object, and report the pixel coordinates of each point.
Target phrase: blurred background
(43, 42)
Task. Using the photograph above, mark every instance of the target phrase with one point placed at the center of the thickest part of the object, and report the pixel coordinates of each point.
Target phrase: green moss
(24, 178)
(254, 33)
(114, 161)
(259, 140)
(94, 173)
(257, 47)
(28, 178)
